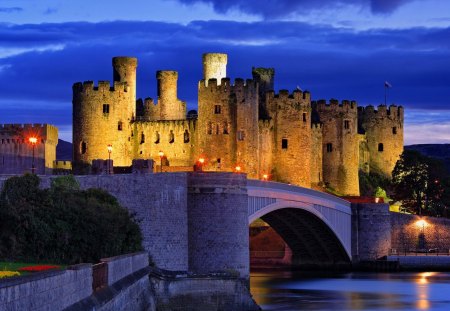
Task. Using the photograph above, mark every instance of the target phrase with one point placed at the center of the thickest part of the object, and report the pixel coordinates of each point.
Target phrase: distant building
(284, 136)
(16, 150)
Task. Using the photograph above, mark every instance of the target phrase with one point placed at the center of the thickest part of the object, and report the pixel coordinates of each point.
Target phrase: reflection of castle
(245, 123)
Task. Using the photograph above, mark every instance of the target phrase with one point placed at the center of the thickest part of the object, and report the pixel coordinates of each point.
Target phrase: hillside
(438, 151)
(64, 150)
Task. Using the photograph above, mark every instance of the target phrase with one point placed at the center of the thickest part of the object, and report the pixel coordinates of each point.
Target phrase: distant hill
(64, 150)
(438, 151)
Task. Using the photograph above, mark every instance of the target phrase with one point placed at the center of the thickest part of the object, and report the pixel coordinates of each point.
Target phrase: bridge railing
(297, 189)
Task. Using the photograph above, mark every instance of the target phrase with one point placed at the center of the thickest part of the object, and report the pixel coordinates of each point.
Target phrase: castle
(284, 136)
(17, 154)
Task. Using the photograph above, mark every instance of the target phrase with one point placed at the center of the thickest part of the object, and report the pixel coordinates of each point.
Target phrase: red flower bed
(37, 268)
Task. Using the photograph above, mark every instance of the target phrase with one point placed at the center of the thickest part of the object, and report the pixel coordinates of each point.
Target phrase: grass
(14, 266)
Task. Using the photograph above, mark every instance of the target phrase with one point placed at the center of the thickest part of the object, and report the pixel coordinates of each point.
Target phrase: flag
(387, 84)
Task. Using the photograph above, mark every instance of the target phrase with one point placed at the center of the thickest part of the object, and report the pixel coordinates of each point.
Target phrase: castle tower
(170, 107)
(214, 67)
(340, 145)
(292, 137)
(265, 78)
(383, 129)
(124, 70)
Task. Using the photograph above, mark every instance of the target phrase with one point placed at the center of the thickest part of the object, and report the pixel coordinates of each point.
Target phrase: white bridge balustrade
(266, 198)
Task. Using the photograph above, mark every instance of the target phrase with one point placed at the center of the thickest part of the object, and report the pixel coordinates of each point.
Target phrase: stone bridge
(315, 225)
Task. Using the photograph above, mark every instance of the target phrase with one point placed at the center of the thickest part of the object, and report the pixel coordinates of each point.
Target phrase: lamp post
(265, 177)
(238, 169)
(161, 155)
(201, 161)
(109, 158)
(33, 141)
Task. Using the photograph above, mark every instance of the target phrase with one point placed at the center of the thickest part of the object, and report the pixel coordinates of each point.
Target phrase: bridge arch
(315, 225)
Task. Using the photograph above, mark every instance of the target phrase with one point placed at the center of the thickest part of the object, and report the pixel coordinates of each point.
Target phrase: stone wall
(53, 290)
(371, 231)
(121, 266)
(16, 152)
(159, 202)
(410, 235)
(384, 133)
(218, 223)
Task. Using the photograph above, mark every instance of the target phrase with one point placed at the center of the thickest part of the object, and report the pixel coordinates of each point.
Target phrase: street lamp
(201, 161)
(161, 155)
(109, 158)
(33, 141)
(238, 169)
(265, 177)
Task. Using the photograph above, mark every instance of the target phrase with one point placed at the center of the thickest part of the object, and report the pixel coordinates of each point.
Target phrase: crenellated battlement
(265, 124)
(382, 111)
(102, 86)
(167, 125)
(226, 86)
(296, 94)
(316, 127)
(334, 105)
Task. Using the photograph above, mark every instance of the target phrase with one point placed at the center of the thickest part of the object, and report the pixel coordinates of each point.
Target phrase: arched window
(83, 147)
(142, 138)
(209, 128)
(226, 130)
(171, 137)
(156, 137)
(380, 147)
(186, 136)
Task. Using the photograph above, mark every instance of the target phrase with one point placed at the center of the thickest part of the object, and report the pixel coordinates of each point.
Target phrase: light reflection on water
(283, 290)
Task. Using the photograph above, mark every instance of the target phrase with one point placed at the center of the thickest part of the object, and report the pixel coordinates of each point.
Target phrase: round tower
(383, 129)
(265, 78)
(214, 67)
(124, 70)
(170, 107)
(340, 151)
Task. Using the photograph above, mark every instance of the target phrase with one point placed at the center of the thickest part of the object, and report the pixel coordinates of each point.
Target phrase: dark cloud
(39, 63)
(279, 8)
(11, 10)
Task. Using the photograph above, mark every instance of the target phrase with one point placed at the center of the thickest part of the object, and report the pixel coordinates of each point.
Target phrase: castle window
(217, 109)
(142, 138)
(105, 108)
(209, 128)
(241, 135)
(83, 147)
(225, 128)
(156, 137)
(346, 124)
(284, 143)
(304, 116)
(119, 126)
(394, 130)
(171, 137)
(380, 147)
(329, 147)
(186, 136)
(217, 129)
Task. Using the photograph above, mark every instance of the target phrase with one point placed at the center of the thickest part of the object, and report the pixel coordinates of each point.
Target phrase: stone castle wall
(383, 130)
(243, 124)
(16, 152)
(340, 145)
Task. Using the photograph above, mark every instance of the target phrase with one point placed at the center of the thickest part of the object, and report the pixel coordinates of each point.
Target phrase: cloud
(40, 62)
(10, 10)
(280, 8)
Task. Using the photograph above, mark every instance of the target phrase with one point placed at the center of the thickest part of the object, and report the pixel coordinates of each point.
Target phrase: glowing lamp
(32, 140)
(201, 160)
(265, 177)
(238, 168)
(421, 223)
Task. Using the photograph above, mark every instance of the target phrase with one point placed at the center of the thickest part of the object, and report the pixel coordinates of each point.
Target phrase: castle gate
(315, 225)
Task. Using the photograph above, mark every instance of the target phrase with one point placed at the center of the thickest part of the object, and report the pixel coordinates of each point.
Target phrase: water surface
(281, 290)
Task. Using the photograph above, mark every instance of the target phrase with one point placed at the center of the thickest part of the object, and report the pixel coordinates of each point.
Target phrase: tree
(418, 183)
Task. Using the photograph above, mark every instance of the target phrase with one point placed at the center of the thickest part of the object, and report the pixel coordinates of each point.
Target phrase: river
(283, 290)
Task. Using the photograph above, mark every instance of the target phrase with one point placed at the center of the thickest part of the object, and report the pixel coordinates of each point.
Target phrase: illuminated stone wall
(16, 152)
(383, 130)
(340, 145)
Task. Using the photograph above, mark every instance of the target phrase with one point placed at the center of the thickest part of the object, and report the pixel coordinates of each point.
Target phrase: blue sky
(342, 49)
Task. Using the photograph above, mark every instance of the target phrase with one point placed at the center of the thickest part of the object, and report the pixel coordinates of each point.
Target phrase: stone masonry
(243, 123)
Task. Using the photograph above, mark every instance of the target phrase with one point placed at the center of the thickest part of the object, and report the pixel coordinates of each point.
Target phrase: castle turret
(340, 145)
(292, 136)
(214, 67)
(265, 78)
(170, 107)
(383, 129)
(124, 70)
